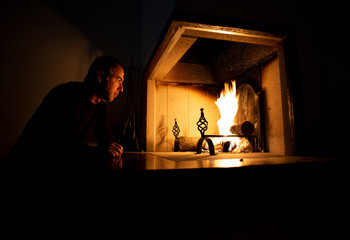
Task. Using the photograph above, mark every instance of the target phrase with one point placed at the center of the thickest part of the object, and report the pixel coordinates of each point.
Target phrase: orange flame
(228, 107)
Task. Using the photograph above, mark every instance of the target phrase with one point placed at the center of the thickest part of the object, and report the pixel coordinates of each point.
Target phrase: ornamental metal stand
(202, 127)
(176, 131)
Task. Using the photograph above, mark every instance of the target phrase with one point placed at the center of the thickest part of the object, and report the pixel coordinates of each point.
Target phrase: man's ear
(100, 75)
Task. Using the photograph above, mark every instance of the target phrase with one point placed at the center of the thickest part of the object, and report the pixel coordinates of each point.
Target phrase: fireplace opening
(188, 72)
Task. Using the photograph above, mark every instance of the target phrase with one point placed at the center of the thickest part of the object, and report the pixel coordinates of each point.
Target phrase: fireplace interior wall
(181, 102)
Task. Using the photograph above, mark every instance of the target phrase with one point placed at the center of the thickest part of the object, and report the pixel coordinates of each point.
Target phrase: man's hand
(116, 150)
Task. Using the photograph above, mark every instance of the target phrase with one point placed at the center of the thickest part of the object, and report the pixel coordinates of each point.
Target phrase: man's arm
(106, 141)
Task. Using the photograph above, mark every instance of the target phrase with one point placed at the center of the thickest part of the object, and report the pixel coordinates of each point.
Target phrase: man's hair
(104, 64)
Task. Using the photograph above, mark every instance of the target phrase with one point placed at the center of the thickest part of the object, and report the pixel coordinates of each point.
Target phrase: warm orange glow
(227, 163)
(228, 106)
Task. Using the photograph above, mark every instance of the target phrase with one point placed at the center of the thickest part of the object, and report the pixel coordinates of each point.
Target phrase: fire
(228, 107)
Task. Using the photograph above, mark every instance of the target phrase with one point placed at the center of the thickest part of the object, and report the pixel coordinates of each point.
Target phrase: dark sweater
(66, 132)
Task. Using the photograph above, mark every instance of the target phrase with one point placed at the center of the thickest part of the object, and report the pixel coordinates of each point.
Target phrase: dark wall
(155, 16)
(39, 50)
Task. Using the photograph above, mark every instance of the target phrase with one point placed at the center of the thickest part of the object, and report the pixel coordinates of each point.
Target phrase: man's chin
(108, 99)
(113, 98)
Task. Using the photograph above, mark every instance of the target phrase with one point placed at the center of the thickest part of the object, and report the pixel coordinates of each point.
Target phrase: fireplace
(189, 70)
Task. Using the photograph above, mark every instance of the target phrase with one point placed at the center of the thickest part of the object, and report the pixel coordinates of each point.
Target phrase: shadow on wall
(161, 132)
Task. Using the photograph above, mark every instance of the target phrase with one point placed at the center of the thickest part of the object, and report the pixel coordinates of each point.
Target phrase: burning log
(244, 146)
(234, 144)
(246, 128)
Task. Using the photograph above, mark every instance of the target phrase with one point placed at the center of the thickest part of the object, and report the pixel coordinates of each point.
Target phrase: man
(70, 131)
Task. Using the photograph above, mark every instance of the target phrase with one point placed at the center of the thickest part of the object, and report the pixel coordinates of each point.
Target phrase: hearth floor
(191, 160)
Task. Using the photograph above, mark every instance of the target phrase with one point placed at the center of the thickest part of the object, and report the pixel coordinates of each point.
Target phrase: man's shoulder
(65, 92)
(69, 86)
(67, 89)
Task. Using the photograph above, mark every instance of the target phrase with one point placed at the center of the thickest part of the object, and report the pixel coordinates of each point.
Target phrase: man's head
(106, 77)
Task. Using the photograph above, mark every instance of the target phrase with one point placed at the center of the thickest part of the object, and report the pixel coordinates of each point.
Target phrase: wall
(39, 50)
(155, 16)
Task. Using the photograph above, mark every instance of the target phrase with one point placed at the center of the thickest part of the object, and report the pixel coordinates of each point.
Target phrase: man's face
(112, 83)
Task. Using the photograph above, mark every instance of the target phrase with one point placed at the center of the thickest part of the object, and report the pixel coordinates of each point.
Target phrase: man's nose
(121, 88)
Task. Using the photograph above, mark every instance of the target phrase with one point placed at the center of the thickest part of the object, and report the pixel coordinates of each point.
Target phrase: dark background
(45, 43)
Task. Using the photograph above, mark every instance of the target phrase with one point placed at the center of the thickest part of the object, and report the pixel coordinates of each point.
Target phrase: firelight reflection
(226, 163)
(155, 162)
(217, 163)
